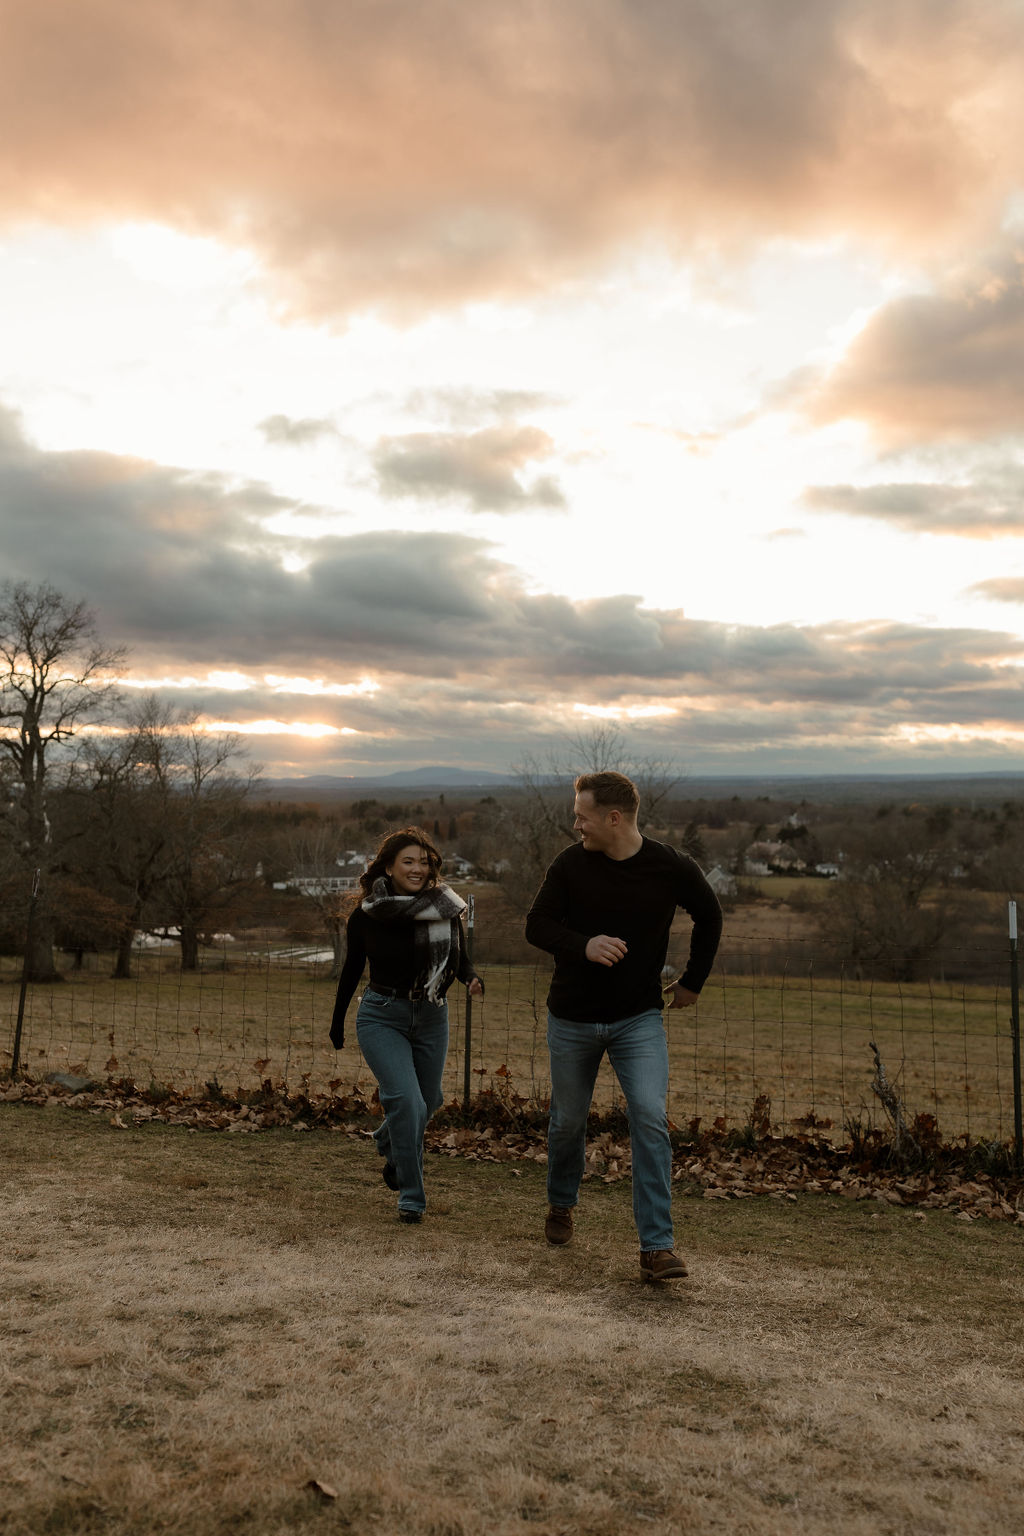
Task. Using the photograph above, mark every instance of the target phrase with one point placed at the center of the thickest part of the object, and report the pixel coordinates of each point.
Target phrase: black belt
(414, 995)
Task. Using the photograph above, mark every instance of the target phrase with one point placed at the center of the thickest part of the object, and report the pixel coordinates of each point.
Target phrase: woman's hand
(476, 987)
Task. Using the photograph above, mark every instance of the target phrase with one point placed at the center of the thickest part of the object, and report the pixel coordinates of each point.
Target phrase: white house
(721, 883)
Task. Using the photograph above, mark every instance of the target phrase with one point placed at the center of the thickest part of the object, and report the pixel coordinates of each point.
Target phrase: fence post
(33, 898)
(1018, 1130)
(468, 1040)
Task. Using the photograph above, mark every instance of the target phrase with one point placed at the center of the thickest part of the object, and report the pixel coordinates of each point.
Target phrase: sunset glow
(306, 728)
(697, 409)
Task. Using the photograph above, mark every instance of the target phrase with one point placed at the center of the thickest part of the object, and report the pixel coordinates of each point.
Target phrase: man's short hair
(611, 791)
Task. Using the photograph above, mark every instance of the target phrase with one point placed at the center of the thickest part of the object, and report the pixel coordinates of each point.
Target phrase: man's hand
(604, 950)
(682, 997)
(476, 987)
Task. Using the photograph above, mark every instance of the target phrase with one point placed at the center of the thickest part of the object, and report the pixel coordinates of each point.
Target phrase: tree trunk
(338, 945)
(189, 947)
(123, 961)
(39, 943)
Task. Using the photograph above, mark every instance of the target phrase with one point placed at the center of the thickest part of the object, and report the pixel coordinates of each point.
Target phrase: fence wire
(765, 1027)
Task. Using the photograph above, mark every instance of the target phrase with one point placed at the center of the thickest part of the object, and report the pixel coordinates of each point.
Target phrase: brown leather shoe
(662, 1264)
(558, 1226)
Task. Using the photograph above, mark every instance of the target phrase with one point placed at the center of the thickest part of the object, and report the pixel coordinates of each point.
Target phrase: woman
(409, 927)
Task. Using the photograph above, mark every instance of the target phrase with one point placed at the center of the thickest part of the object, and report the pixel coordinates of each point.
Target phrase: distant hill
(406, 778)
(857, 787)
(834, 787)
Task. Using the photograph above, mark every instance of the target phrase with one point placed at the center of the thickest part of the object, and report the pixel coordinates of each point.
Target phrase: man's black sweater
(635, 899)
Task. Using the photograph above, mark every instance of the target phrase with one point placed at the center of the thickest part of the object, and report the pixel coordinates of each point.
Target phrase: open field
(784, 887)
(196, 1327)
(801, 1039)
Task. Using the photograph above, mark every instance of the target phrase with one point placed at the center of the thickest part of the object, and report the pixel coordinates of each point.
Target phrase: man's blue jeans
(638, 1052)
(405, 1045)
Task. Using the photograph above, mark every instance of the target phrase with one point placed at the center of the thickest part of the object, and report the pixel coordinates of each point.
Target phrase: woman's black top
(389, 947)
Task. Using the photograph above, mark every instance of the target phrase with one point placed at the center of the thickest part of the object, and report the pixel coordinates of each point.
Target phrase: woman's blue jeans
(405, 1045)
(638, 1051)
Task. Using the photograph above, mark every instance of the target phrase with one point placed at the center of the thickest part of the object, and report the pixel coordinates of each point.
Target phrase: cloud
(466, 407)
(408, 155)
(289, 432)
(1002, 589)
(151, 546)
(468, 663)
(483, 469)
(945, 366)
(184, 569)
(992, 508)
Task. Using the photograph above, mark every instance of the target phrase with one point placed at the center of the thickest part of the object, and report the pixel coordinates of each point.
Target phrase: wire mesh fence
(766, 1027)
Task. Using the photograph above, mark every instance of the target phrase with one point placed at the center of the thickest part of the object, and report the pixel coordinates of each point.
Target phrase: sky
(413, 383)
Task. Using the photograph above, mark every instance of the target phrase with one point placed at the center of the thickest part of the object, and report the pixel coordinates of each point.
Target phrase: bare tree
(208, 860)
(123, 807)
(691, 842)
(539, 820)
(55, 676)
(161, 811)
(893, 907)
(315, 849)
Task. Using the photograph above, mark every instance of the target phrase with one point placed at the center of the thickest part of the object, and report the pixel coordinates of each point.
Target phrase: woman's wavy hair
(388, 852)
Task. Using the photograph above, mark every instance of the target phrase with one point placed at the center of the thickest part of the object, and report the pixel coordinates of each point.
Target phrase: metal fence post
(468, 1041)
(16, 1052)
(1018, 1130)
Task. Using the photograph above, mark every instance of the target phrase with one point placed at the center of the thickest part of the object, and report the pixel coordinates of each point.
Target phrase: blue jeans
(405, 1045)
(638, 1051)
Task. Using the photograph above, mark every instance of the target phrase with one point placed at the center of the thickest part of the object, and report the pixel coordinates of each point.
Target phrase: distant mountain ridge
(867, 786)
(404, 778)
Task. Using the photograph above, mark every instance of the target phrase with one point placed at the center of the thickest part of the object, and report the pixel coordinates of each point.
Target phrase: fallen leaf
(324, 1490)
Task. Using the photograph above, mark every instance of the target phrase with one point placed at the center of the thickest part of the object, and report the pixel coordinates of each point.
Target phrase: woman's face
(410, 872)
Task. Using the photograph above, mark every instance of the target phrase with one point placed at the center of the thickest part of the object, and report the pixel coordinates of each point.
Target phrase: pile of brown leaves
(785, 1166)
(718, 1163)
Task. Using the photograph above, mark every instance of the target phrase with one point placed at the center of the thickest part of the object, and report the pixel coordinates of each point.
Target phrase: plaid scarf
(437, 936)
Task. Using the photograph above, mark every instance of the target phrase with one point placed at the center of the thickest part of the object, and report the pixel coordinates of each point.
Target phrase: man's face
(593, 823)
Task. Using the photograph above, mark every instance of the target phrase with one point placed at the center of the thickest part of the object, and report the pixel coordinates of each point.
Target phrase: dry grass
(805, 1043)
(196, 1326)
(801, 1040)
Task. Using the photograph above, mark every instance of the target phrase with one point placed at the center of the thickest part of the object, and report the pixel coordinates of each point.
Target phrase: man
(604, 912)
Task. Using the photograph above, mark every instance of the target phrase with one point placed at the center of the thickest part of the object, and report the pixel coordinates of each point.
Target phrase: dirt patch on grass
(196, 1329)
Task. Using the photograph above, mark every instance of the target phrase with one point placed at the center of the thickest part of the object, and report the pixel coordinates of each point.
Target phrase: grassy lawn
(785, 887)
(196, 1326)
